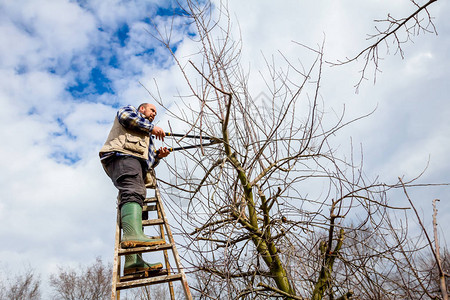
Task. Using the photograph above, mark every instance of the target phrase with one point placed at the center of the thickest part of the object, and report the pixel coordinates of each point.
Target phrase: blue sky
(66, 66)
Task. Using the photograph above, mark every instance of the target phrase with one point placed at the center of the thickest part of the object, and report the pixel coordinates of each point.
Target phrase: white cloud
(15, 46)
(113, 13)
(42, 34)
(419, 65)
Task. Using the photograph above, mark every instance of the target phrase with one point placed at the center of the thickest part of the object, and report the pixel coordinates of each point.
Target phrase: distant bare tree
(85, 283)
(444, 281)
(20, 287)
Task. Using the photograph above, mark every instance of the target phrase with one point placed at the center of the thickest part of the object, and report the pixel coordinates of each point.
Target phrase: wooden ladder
(167, 275)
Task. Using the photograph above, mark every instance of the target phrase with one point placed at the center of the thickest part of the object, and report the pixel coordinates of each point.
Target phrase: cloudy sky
(66, 66)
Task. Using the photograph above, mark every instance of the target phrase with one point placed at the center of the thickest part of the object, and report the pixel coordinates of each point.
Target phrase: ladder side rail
(186, 289)
(166, 256)
(115, 294)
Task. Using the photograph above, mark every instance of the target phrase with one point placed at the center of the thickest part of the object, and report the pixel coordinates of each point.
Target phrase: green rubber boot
(133, 236)
(135, 264)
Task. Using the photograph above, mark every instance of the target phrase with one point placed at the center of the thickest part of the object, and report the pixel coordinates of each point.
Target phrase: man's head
(148, 110)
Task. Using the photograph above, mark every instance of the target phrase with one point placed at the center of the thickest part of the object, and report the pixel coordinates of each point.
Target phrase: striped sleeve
(130, 118)
(153, 159)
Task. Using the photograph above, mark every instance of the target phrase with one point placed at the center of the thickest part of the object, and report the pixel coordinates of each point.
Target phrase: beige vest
(123, 140)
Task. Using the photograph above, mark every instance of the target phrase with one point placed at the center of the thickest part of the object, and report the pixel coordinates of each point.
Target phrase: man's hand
(163, 152)
(159, 133)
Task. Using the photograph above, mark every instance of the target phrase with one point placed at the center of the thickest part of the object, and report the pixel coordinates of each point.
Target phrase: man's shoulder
(128, 111)
(128, 108)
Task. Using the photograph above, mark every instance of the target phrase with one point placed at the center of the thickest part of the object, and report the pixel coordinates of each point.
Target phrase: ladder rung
(152, 222)
(150, 200)
(144, 249)
(147, 281)
(149, 207)
(144, 274)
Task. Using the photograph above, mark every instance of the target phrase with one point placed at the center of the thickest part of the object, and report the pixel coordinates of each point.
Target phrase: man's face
(149, 111)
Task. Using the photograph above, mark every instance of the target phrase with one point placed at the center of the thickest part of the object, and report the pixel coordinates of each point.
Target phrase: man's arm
(130, 118)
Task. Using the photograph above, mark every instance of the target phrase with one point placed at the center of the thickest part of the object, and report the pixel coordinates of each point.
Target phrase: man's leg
(134, 263)
(126, 174)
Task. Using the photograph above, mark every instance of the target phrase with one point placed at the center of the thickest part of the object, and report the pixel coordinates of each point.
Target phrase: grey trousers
(127, 175)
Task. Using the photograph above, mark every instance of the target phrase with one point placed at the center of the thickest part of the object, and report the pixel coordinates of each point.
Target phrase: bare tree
(21, 286)
(273, 209)
(92, 282)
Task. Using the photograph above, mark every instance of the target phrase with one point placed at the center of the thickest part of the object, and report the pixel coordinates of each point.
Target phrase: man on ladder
(127, 156)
